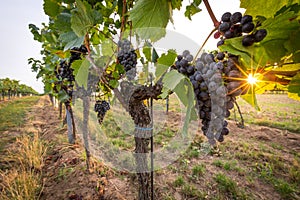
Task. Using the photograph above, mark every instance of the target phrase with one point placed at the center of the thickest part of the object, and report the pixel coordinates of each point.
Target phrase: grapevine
(82, 55)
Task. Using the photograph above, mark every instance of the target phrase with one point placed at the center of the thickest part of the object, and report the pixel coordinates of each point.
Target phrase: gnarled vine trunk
(142, 133)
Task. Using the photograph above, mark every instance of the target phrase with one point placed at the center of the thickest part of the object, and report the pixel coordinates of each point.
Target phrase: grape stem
(198, 52)
(216, 24)
(240, 124)
(101, 74)
(211, 14)
(123, 19)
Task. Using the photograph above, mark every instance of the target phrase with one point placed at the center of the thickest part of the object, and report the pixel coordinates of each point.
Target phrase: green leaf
(192, 10)
(84, 18)
(149, 18)
(107, 48)
(71, 40)
(51, 7)
(76, 66)
(176, 4)
(113, 83)
(47, 87)
(147, 52)
(172, 78)
(264, 8)
(63, 22)
(183, 88)
(82, 75)
(35, 31)
(154, 55)
(63, 96)
(293, 44)
(294, 85)
(164, 63)
(251, 99)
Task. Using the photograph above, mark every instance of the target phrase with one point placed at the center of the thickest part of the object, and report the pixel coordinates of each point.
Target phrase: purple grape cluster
(101, 107)
(128, 58)
(64, 71)
(236, 25)
(210, 93)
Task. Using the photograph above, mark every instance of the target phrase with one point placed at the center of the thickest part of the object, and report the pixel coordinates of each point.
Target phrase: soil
(65, 175)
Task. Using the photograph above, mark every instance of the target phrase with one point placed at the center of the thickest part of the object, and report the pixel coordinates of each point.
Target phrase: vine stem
(216, 25)
(242, 124)
(198, 52)
(211, 14)
(123, 19)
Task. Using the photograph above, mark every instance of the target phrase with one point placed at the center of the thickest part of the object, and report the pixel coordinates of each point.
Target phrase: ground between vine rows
(257, 162)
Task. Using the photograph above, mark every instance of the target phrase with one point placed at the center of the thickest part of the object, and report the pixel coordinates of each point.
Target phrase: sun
(252, 79)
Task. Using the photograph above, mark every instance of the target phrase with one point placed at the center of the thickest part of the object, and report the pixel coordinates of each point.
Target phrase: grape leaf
(147, 52)
(84, 18)
(76, 66)
(294, 96)
(63, 96)
(293, 44)
(35, 31)
(71, 40)
(176, 4)
(107, 48)
(294, 86)
(51, 8)
(164, 62)
(82, 75)
(149, 18)
(184, 90)
(113, 83)
(251, 98)
(154, 55)
(63, 22)
(47, 87)
(192, 9)
(264, 8)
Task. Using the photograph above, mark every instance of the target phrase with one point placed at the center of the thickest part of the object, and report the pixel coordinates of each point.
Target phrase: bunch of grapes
(128, 58)
(233, 78)
(65, 72)
(210, 93)
(236, 25)
(76, 53)
(101, 107)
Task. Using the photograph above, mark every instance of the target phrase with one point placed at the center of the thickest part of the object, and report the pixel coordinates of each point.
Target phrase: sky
(18, 44)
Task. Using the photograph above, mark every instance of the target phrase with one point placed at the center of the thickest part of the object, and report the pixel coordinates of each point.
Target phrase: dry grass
(22, 181)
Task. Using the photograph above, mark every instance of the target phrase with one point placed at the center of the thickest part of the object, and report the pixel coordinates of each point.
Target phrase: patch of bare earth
(65, 175)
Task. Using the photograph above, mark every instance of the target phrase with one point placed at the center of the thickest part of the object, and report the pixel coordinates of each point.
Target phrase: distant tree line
(12, 88)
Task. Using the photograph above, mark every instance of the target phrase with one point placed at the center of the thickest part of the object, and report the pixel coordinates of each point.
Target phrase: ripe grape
(224, 27)
(260, 35)
(236, 17)
(245, 19)
(248, 40)
(226, 17)
(229, 34)
(248, 27)
(220, 56)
